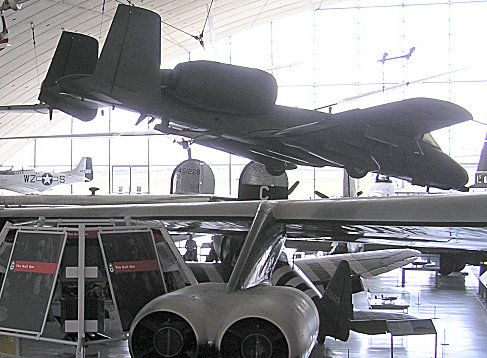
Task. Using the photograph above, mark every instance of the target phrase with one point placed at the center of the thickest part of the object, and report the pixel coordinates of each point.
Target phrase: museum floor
(458, 312)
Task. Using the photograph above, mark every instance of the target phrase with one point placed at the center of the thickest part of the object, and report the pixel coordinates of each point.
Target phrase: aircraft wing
(411, 117)
(119, 199)
(266, 224)
(467, 238)
(322, 268)
(453, 221)
(364, 264)
(373, 322)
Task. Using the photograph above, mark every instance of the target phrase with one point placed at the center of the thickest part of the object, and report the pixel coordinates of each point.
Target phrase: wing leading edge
(412, 117)
(457, 219)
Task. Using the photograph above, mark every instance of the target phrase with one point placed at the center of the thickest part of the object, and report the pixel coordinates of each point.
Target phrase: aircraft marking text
(46, 178)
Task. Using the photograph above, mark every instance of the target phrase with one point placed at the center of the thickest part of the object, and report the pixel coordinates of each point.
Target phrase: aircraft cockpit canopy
(428, 138)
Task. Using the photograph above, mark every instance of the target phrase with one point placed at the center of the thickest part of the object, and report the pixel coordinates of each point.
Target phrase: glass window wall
(356, 48)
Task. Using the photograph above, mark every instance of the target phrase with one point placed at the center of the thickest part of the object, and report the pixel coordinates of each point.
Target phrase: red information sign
(136, 266)
(134, 272)
(35, 267)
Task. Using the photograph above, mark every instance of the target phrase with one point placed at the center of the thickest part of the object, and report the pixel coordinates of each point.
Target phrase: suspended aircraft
(7, 5)
(232, 108)
(12, 5)
(32, 181)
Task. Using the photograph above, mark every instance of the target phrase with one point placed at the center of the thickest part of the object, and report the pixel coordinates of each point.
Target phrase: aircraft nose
(456, 177)
(440, 171)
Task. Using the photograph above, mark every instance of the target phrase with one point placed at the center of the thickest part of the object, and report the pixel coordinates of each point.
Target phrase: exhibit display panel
(28, 285)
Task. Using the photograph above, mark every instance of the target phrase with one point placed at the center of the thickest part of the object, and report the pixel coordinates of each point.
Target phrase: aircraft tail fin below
(482, 166)
(481, 173)
(130, 61)
(76, 54)
(84, 168)
(335, 307)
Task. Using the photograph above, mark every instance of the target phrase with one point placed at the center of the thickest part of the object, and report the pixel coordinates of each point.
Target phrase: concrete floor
(460, 318)
(458, 313)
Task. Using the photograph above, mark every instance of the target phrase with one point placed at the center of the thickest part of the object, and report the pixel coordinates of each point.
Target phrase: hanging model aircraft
(12, 5)
(7, 5)
(32, 181)
(232, 108)
(247, 306)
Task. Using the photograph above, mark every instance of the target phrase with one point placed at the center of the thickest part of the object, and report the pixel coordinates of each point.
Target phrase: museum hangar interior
(320, 52)
(328, 52)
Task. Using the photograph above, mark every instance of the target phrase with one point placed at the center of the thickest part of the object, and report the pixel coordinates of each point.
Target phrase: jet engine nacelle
(203, 319)
(221, 87)
(73, 106)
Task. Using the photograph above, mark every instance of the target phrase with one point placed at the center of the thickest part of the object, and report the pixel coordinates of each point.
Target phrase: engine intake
(163, 334)
(188, 323)
(254, 337)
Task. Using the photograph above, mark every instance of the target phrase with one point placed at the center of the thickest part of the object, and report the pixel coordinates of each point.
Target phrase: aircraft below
(233, 109)
(481, 173)
(33, 181)
(383, 186)
(315, 275)
(451, 260)
(456, 220)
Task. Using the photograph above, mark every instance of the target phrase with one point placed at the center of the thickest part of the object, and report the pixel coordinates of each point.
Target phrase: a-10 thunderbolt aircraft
(233, 108)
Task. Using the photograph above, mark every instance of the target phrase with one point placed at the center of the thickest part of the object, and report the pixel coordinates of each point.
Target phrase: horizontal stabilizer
(373, 322)
(482, 166)
(481, 173)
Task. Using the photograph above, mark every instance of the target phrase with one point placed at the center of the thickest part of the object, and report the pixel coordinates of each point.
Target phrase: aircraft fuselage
(233, 108)
(284, 137)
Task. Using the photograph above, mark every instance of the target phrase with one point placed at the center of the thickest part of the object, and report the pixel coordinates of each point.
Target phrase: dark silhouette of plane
(232, 108)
